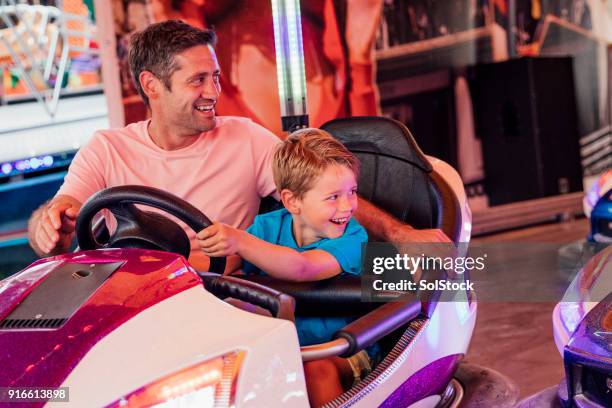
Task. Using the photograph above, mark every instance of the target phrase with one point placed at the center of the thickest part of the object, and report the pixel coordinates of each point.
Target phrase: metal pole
(290, 64)
(511, 28)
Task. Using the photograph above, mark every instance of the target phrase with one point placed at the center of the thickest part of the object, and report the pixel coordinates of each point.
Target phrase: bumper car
(582, 321)
(582, 327)
(126, 322)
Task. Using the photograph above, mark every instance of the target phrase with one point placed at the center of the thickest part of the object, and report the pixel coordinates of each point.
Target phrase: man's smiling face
(189, 104)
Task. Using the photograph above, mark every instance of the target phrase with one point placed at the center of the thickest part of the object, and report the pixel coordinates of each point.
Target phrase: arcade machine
(51, 102)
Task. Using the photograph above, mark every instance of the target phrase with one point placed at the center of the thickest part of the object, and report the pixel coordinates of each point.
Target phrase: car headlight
(211, 383)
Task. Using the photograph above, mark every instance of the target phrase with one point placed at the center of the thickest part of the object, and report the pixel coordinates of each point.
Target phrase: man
(222, 165)
(219, 164)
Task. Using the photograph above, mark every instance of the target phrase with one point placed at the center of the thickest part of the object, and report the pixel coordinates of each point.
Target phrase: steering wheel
(143, 229)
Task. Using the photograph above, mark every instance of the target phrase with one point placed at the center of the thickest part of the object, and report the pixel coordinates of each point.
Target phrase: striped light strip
(289, 57)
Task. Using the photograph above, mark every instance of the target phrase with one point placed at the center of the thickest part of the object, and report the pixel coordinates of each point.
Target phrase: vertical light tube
(290, 63)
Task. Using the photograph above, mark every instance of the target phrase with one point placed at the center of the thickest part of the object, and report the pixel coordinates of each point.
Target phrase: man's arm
(51, 226)
(384, 227)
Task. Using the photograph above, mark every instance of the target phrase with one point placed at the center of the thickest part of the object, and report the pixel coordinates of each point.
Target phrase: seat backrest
(395, 174)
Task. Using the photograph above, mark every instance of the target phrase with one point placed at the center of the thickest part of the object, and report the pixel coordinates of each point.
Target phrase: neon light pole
(290, 64)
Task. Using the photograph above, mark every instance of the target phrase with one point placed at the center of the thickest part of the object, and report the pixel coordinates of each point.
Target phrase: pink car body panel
(45, 357)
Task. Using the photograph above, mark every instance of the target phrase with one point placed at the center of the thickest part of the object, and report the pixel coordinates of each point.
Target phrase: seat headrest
(379, 136)
(394, 171)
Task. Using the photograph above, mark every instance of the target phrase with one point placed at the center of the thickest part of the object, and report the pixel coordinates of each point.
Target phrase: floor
(515, 338)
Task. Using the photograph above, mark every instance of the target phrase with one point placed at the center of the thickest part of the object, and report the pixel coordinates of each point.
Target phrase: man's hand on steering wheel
(52, 228)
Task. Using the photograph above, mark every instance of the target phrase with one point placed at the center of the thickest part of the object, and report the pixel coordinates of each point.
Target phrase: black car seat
(395, 174)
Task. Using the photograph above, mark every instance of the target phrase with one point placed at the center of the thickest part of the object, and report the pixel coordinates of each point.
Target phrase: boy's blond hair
(306, 153)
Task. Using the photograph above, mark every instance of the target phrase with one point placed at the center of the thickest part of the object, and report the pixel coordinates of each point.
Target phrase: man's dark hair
(154, 48)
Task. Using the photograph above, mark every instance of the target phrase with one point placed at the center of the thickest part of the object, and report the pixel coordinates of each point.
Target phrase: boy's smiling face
(325, 209)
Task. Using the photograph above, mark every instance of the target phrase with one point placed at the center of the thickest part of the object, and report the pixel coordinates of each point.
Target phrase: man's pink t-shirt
(224, 173)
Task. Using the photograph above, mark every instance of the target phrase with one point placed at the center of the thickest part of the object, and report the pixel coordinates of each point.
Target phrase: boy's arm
(276, 260)
(286, 263)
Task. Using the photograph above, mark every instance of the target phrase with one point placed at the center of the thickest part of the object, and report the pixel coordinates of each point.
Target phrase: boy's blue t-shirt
(276, 227)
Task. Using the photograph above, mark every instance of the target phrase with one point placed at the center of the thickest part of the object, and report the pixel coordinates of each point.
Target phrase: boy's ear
(290, 201)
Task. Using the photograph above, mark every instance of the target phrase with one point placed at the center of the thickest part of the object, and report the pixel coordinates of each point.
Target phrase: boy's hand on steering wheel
(220, 240)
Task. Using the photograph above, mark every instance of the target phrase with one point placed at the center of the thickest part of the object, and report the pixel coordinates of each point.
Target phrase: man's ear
(150, 84)
(291, 202)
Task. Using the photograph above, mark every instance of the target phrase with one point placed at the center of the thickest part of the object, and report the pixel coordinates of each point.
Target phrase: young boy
(314, 237)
